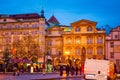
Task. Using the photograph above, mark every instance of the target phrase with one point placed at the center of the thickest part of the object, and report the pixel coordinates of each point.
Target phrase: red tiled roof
(53, 20)
(26, 16)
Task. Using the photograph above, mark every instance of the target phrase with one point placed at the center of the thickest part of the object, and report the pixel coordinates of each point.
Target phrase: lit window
(77, 40)
(77, 51)
(68, 41)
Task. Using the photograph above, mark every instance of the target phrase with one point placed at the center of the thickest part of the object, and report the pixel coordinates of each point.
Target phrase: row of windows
(22, 26)
(79, 29)
(23, 33)
(78, 52)
(89, 41)
(9, 39)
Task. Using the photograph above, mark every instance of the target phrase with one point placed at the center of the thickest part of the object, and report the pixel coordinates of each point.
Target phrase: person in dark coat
(61, 70)
(76, 70)
(72, 70)
(67, 69)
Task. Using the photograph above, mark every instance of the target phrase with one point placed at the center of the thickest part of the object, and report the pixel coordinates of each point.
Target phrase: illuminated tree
(6, 57)
(26, 48)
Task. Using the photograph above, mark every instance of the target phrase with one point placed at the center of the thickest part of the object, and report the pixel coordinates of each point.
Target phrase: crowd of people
(73, 70)
(17, 70)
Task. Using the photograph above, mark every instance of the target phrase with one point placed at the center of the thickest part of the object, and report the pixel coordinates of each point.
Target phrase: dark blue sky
(105, 12)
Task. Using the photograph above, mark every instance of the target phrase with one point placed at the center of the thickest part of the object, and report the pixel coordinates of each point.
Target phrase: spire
(42, 13)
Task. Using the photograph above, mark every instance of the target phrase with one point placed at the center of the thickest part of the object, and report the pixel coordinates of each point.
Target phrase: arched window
(89, 28)
(77, 51)
(77, 40)
(89, 50)
(77, 29)
(99, 50)
(68, 40)
(89, 40)
(99, 40)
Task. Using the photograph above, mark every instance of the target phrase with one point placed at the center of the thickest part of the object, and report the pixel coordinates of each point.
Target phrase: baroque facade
(83, 41)
(76, 42)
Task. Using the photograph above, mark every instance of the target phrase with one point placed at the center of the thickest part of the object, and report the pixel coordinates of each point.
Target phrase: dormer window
(77, 30)
(89, 28)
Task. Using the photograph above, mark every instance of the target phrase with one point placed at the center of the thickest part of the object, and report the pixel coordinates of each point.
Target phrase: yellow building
(15, 27)
(83, 41)
(53, 46)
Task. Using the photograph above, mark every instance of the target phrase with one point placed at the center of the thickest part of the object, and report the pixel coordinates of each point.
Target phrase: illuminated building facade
(113, 46)
(83, 41)
(15, 27)
(54, 44)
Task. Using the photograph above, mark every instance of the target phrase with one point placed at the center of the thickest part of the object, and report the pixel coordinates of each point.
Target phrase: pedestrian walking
(43, 68)
(15, 71)
(61, 70)
(76, 70)
(67, 70)
(72, 70)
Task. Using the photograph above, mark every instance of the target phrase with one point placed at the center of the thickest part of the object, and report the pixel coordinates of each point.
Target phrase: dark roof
(53, 20)
(25, 16)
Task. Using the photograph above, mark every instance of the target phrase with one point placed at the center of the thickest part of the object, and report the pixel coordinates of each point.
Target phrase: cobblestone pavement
(39, 76)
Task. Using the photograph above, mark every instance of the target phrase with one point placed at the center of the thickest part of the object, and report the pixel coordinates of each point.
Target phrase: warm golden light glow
(67, 52)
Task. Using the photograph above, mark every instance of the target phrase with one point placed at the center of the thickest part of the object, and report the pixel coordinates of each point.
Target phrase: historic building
(113, 46)
(15, 27)
(54, 44)
(83, 41)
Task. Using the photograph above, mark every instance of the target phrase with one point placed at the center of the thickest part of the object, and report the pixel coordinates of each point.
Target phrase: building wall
(14, 29)
(54, 44)
(83, 43)
(113, 46)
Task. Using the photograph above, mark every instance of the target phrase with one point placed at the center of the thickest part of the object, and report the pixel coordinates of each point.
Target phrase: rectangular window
(111, 44)
(112, 55)
(26, 25)
(116, 36)
(17, 26)
(34, 25)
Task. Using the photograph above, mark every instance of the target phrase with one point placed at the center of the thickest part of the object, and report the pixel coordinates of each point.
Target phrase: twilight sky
(105, 12)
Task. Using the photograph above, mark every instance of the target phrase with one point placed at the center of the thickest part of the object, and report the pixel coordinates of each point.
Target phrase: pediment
(7, 20)
(83, 22)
